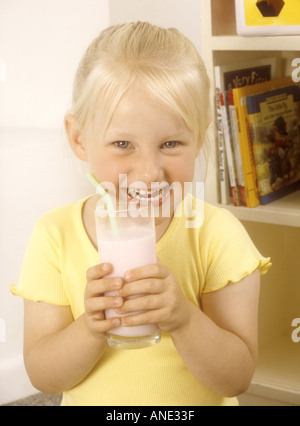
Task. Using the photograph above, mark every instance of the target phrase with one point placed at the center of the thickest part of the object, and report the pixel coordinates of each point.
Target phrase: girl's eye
(170, 144)
(123, 144)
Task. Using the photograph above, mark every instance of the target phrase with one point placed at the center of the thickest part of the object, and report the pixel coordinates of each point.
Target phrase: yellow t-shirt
(204, 259)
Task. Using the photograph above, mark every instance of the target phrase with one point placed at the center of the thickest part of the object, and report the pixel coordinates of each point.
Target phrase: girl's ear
(75, 137)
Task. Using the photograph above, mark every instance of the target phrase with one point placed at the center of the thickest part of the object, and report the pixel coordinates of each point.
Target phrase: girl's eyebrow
(119, 134)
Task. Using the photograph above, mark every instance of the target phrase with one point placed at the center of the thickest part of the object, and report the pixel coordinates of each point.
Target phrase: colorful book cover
(274, 121)
(240, 95)
(241, 74)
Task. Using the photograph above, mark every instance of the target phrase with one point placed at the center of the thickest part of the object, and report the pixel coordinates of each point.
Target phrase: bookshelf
(274, 228)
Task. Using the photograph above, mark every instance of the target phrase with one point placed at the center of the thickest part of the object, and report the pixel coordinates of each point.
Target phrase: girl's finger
(143, 286)
(156, 270)
(105, 325)
(147, 317)
(98, 271)
(142, 303)
(99, 304)
(97, 287)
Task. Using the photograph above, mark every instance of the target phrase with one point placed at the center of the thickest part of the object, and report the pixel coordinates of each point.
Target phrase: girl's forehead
(138, 105)
(136, 115)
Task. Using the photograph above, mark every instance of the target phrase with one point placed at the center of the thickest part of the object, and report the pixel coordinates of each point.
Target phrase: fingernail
(127, 276)
(105, 267)
(118, 301)
(118, 283)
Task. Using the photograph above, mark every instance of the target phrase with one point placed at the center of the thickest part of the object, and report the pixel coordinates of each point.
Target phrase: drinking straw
(108, 201)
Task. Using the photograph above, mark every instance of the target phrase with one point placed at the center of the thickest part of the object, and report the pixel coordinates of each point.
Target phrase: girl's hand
(95, 302)
(161, 298)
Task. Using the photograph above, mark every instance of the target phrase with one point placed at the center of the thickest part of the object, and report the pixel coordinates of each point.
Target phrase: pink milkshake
(130, 245)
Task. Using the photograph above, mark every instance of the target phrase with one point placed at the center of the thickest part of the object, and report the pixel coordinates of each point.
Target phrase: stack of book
(258, 120)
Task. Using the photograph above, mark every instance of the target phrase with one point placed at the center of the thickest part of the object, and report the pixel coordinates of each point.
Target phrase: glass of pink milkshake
(126, 239)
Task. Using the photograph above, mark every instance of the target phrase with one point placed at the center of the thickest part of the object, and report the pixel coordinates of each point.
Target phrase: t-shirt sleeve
(230, 254)
(40, 278)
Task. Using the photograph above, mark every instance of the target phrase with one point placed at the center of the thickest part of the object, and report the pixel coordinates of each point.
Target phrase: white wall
(181, 14)
(41, 42)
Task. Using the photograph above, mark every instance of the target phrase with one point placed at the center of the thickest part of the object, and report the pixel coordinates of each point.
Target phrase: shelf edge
(261, 214)
(266, 389)
(286, 43)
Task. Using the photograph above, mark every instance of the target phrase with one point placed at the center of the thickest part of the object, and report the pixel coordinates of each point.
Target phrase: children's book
(240, 95)
(274, 121)
(246, 73)
(223, 177)
(228, 77)
(229, 152)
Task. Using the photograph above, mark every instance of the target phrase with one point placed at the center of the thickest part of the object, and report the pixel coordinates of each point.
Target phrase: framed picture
(267, 17)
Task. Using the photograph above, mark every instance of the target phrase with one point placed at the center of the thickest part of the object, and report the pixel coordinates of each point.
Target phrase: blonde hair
(163, 60)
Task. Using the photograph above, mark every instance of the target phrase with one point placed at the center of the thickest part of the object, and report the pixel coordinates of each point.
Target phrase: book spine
(221, 152)
(236, 149)
(254, 123)
(251, 192)
(229, 152)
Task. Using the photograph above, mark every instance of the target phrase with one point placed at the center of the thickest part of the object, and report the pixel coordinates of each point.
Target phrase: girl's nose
(149, 168)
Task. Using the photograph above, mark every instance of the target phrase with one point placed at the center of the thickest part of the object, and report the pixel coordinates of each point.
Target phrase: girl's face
(148, 144)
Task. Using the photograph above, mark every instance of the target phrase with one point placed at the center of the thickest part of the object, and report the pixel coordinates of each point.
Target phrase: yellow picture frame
(267, 17)
(289, 14)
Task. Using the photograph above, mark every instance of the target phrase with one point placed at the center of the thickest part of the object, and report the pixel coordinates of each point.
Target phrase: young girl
(140, 109)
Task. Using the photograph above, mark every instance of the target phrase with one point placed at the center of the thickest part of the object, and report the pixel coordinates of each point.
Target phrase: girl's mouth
(155, 197)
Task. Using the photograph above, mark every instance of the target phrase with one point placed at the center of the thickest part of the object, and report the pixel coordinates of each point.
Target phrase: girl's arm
(219, 343)
(60, 352)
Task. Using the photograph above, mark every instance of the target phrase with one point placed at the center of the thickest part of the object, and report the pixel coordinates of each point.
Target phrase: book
(246, 73)
(228, 77)
(249, 171)
(267, 17)
(229, 152)
(223, 177)
(236, 150)
(274, 121)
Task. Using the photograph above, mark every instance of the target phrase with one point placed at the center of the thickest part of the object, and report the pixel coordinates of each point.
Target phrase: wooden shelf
(285, 211)
(278, 374)
(275, 43)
